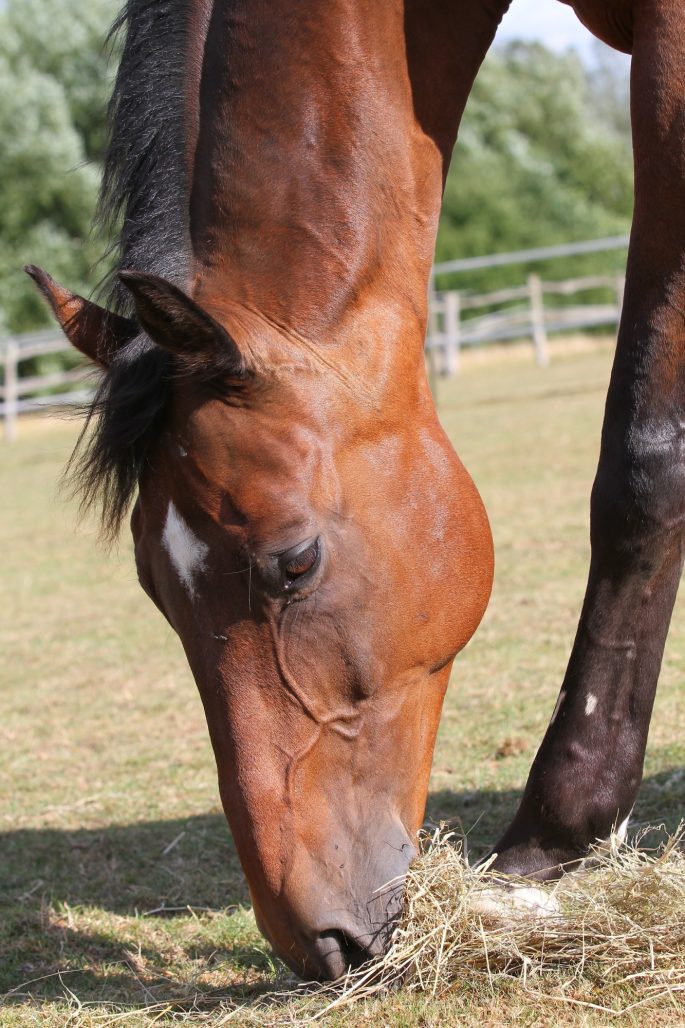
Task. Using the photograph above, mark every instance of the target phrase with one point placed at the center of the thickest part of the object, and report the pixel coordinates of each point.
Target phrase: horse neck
(322, 148)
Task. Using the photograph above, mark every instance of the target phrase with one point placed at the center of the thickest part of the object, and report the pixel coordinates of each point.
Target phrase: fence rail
(539, 253)
(523, 314)
(456, 320)
(21, 393)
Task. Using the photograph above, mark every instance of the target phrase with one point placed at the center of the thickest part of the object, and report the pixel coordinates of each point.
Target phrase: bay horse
(299, 516)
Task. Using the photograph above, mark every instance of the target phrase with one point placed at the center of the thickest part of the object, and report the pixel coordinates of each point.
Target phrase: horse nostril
(338, 953)
(355, 953)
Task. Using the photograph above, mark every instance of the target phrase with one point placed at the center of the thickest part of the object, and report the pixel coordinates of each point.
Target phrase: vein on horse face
(187, 553)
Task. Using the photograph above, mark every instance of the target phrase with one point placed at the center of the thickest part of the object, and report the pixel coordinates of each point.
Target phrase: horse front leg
(586, 775)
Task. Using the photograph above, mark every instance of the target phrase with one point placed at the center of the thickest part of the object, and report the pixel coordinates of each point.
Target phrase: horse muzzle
(339, 932)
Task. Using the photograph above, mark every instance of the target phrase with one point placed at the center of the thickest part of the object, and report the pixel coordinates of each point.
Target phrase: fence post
(11, 361)
(452, 332)
(537, 320)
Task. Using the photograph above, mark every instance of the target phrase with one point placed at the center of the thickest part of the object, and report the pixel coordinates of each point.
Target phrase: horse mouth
(337, 952)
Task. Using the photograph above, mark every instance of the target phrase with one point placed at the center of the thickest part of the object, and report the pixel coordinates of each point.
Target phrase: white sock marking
(590, 704)
(616, 839)
(622, 830)
(518, 901)
(186, 551)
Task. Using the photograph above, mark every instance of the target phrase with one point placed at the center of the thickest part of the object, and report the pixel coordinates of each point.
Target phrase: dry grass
(618, 922)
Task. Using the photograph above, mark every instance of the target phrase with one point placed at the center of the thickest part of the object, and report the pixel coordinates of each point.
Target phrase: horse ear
(178, 324)
(96, 332)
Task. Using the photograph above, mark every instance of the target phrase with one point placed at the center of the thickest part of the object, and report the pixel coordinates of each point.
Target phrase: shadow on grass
(483, 815)
(48, 877)
(63, 894)
(127, 869)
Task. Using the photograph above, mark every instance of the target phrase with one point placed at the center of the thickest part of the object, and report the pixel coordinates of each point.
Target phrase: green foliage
(53, 84)
(609, 88)
(66, 40)
(543, 156)
(538, 162)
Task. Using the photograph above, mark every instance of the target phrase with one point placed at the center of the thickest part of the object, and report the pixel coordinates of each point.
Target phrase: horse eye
(298, 564)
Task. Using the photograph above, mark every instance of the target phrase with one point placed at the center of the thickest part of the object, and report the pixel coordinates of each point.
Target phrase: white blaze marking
(186, 551)
(562, 697)
(590, 704)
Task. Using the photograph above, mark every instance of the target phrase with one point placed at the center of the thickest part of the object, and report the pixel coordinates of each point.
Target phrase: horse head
(313, 547)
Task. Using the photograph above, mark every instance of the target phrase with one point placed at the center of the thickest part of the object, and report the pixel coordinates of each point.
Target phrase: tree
(536, 163)
(543, 156)
(53, 85)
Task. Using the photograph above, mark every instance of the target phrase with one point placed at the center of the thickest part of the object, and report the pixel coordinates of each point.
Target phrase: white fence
(20, 393)
(516, 313)
(457, 319)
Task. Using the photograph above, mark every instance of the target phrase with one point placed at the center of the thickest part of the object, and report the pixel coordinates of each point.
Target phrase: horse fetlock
(562, 821)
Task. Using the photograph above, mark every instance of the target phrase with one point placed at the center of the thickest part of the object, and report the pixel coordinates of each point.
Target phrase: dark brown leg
(586, 775)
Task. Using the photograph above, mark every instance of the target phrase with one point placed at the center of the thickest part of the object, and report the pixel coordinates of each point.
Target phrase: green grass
(119, 886)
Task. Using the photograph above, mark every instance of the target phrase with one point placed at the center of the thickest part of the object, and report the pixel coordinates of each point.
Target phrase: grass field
(121, 899)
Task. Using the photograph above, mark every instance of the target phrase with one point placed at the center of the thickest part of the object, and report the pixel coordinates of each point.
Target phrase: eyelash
(296, 566)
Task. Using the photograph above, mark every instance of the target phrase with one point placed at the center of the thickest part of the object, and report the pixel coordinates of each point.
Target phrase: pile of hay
(612, 935)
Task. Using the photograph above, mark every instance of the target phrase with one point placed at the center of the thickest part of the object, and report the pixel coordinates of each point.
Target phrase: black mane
(144, 194)
(144, 208)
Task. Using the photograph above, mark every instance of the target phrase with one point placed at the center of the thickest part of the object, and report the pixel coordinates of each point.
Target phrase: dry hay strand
(609, 936)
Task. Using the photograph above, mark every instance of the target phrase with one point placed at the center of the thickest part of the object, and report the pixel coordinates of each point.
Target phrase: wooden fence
(516, 313)
(20, 393)
(457, 320)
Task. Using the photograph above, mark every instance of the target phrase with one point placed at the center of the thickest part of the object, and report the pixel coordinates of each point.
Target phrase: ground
(121, 899)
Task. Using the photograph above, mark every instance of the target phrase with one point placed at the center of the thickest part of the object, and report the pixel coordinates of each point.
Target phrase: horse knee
(639, 494)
